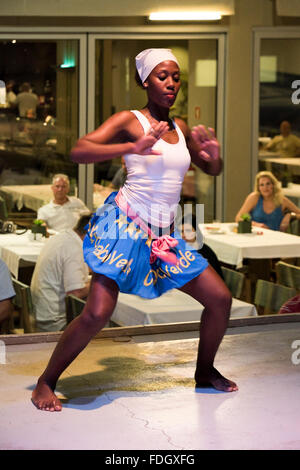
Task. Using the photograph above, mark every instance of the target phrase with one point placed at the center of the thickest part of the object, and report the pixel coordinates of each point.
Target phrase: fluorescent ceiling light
(2, 92)
(185, 16)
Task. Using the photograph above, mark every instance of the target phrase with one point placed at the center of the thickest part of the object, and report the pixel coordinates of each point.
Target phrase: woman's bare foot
(44, 398)
(215, 379)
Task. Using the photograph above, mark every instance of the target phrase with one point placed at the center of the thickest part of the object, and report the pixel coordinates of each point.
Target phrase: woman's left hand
(205, 139)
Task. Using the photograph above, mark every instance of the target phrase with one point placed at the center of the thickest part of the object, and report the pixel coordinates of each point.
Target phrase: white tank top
(153, 185)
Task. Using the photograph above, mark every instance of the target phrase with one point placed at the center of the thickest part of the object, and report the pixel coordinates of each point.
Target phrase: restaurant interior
(33, 149)
(240, 74)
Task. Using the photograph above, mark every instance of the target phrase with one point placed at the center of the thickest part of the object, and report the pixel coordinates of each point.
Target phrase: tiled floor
(140, 395)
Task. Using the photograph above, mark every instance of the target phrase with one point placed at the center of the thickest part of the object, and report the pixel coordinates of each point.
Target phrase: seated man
(286, 144)
(6, 294)
(60, 271)
(63, 211)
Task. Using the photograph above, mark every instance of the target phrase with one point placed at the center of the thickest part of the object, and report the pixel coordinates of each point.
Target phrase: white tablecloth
(293, 163)
(172, 307)
(30, 196)
(17, 248)
(262, 154)
(232, 248)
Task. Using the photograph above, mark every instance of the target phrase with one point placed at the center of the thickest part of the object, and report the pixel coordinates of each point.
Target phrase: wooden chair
(234, 281)
(269, 297)
(3, 209)
(74, 307)
(288, 275)
(23, 303)
(291, 306)
(294, 227)
(23, 219)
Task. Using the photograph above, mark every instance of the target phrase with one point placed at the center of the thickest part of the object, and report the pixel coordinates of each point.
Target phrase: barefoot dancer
(131, 244)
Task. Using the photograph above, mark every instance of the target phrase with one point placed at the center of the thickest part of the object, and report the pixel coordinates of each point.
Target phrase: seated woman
(267, 205)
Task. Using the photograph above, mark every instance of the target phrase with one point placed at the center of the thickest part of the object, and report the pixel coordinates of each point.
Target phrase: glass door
(39, 117)
(276, 118)
(112, 72)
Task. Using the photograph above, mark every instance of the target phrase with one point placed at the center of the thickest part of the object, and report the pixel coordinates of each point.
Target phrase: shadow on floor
(125, 374)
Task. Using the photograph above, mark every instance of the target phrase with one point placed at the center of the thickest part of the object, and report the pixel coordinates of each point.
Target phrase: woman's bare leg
(99, 307)
(209, 289)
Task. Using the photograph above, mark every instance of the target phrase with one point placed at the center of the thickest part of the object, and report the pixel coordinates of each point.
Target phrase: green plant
(245, 224)
(38, 222)
(38, 226)
(246, 217)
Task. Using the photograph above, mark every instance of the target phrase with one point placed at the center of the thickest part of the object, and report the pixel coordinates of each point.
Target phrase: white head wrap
(148, 59)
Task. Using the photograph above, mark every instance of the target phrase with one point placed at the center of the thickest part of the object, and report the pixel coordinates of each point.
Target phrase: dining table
(270, 159)
(233, 248)
(32, 196)
(254, 254)
(173, 306)
(37, 195)
(20, 249)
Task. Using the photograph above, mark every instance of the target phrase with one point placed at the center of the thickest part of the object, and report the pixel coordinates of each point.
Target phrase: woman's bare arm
(115, 137)
(204, 148)
(249, 204)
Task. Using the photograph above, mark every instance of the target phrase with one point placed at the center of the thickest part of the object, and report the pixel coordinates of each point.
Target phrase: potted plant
(38, 227)
(245, 224)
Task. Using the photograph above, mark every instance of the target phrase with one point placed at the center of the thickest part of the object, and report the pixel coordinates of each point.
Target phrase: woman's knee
(101, 301)
(221, 299)
(95, 315)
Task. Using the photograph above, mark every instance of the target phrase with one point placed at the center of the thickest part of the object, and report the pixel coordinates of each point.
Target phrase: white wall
(106, 7)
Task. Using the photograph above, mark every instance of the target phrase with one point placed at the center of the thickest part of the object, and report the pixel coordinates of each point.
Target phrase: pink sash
(161, 245)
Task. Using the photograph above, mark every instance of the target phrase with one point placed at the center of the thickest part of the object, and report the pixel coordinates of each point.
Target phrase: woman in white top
(131, 243)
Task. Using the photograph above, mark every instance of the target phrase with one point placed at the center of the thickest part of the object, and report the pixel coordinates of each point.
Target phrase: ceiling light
(185, 16)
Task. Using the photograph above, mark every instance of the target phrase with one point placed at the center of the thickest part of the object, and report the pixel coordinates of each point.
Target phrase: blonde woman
(267, 205)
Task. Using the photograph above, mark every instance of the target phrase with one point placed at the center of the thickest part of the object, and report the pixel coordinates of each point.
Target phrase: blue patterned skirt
(118, 248)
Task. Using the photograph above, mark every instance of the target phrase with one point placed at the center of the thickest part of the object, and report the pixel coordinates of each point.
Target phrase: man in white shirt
(6, 294)
(63, 211)
(60, 271)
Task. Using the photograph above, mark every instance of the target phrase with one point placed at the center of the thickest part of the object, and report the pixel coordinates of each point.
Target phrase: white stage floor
(140, 395)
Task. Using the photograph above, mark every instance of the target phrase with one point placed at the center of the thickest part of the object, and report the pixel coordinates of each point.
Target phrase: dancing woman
(131, 244)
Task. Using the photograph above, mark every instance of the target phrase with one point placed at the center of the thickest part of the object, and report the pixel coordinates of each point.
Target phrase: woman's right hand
(143, 146)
